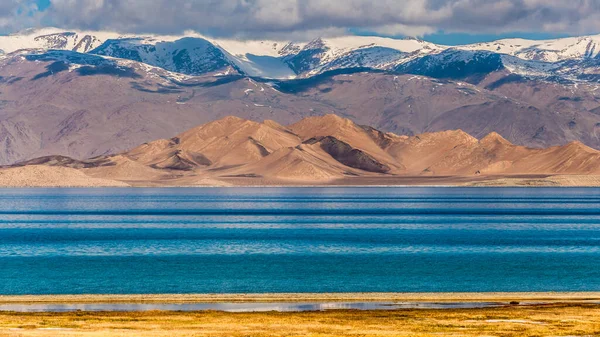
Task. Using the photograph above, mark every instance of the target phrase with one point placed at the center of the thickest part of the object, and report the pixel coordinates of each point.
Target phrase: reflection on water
(246, 307)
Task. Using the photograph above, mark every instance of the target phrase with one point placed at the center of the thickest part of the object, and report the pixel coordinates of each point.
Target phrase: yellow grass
(543, 320)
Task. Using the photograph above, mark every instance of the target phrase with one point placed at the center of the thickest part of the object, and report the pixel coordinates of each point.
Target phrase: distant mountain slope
(55, 103)
(317, 150)
(82, 105)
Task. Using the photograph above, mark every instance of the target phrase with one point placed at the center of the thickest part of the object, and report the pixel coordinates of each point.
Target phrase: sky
(441, 21)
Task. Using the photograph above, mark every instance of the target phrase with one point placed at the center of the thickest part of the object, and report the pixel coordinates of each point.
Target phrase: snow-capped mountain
(546, 51)
(568, 59)
(322, 55)
(54, 38)
(194, 54)
(473, 65)
(191, 56)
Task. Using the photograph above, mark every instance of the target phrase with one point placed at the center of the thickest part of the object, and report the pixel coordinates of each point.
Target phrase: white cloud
(400, 29)
(303, 17)
(17, 14)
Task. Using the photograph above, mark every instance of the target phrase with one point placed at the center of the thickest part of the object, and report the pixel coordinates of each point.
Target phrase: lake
(257, 240)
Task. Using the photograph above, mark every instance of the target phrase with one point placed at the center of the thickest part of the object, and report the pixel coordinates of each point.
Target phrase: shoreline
(291, 186)
(537, 314)
(402, 182)
(546, 297)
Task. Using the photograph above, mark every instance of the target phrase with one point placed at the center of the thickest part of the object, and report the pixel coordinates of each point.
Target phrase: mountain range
(316, 150)
(84, 94)
(570, 59)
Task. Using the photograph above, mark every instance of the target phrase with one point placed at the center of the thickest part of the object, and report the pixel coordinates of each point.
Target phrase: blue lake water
(234, 240)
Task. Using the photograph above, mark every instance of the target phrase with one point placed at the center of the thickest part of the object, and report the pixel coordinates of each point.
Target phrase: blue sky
(43, 4)
(448, 22)
(463, 38)
(453, 39)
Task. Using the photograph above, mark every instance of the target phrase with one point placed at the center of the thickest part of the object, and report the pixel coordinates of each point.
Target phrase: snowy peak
(191, 56)
(70, 40)
(322, 55)
(260, 58)
(454, 64)
(568, 59)
(546, 50)
(54, 38)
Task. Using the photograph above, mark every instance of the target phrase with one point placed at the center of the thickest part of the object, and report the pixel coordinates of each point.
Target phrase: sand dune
(317, 150)
(46, 176)
(125, 169)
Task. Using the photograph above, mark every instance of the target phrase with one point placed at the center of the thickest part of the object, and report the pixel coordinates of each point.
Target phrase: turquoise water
(86, 241)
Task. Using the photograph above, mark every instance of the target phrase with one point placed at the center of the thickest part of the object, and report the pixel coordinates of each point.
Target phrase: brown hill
(324, 150)
(227, 142)
(344, 131)
(457, 153)
(46, 176)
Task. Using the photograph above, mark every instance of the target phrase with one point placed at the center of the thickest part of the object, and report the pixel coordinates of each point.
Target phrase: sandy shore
(511, 321)
(540, 314)
(547, 297)
(45, 176)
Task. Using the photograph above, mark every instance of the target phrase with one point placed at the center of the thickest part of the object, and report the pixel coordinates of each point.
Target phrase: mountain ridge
(565, 57)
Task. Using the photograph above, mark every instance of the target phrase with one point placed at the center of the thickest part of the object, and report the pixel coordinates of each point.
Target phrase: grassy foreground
(541, 320)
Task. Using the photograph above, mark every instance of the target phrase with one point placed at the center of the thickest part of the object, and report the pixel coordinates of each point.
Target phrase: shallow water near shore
(244, 307)
(262, 240)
